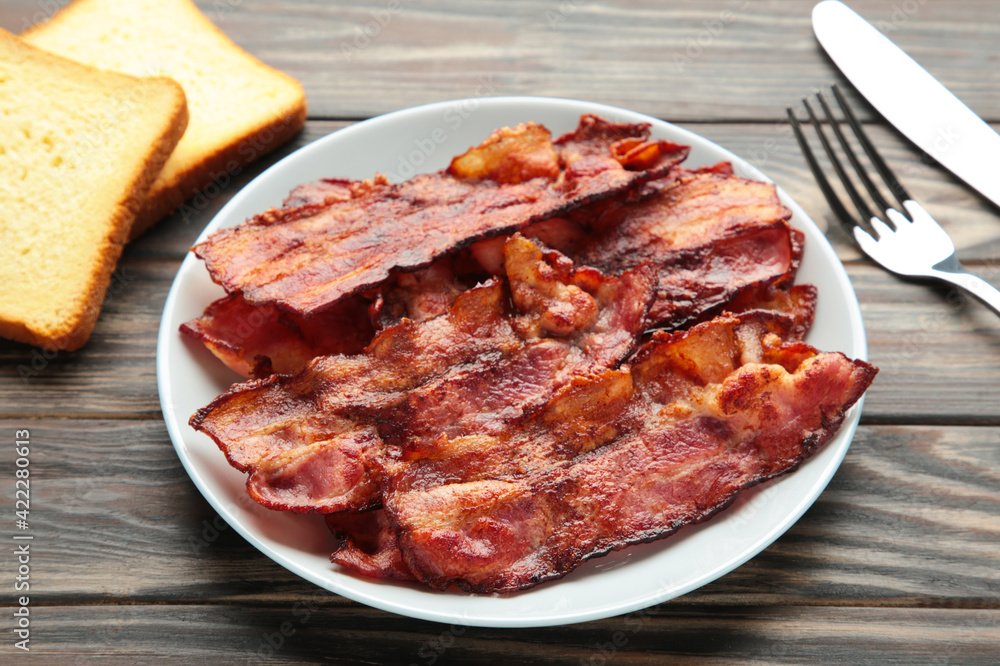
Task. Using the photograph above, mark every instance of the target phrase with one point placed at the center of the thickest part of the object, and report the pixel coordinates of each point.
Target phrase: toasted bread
(240, 108)
(79, 150)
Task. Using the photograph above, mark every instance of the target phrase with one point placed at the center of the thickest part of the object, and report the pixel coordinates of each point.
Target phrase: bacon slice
(285, 428)
(689, 209)
(697, 282)
(306, 259)
(699, 416)
(368, 545)
(319, 193)
(257, 341)
(796, 301)
(712, 236)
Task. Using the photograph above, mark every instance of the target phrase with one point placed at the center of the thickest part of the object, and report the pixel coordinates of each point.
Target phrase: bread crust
(226, 162)
(217, 163)
(72, 323)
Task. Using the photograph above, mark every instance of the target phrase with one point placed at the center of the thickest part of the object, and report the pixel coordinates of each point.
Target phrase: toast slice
(240, 108)
(79, 150)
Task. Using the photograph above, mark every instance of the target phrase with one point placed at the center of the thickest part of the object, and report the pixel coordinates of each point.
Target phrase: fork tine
(833, 199)
(888, 176)
(862, 173)
(852, 192)
(824, 185)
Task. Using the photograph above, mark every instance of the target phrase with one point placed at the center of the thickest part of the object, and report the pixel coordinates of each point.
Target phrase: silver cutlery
(909, 97)
(909, 243)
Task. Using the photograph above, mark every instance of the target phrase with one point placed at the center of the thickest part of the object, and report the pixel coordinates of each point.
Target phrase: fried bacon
(368, 545)
(694, 226)
(699, 281)
(464, 404)
(256, 341)
(306, 259)
(496, 352)
(689, 209)
(796, 301)
(712, 236)
(699, 416)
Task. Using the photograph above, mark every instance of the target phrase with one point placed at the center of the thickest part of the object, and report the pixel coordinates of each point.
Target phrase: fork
(910, 244)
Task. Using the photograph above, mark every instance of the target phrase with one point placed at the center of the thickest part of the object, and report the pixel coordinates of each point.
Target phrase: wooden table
(897, 561)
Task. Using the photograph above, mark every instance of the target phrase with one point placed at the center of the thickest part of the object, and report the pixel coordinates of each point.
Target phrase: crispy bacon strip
(796, 301)
(368, 545)
(260, 340)
(319, 193)
(712, 236)
(284, 428)
(701, 415)
(697, 282)
(257, 341)
(690, 209)
(306, 259)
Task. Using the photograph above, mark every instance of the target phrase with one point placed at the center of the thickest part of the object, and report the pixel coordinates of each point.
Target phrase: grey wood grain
(726, 59)
(315, 632)
(686, 61)
(911, 519)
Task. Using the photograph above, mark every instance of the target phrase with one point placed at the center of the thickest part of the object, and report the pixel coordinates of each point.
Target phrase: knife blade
(910, 98)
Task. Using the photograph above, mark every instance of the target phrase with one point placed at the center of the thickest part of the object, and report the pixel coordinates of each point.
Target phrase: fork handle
(952, 271)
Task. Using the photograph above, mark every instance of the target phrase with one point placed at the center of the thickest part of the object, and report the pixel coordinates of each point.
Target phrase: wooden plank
(936, 348)
(682, 60)
(688, 60)
(311, 630)
(115, 373)
(911, 519)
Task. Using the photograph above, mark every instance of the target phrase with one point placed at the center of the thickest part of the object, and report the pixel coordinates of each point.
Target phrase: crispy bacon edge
(312, 435)
(273, 258)
(497, 535)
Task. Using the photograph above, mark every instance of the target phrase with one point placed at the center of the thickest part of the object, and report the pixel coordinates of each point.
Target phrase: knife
(916, 103)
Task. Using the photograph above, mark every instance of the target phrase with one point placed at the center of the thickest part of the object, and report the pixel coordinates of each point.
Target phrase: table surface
(896, 562)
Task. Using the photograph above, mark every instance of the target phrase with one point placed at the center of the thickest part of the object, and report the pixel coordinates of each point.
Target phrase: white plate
(424, 139)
